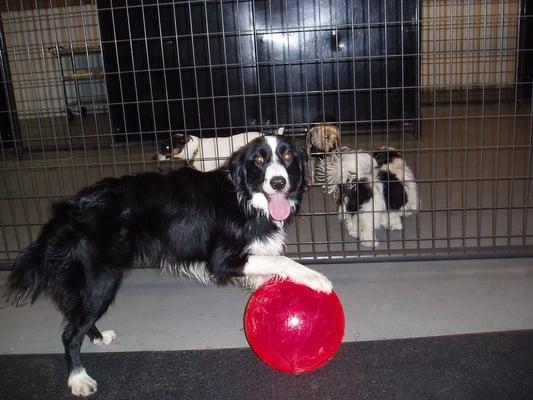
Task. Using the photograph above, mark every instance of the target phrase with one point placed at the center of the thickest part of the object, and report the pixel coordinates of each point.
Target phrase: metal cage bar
(97, 88)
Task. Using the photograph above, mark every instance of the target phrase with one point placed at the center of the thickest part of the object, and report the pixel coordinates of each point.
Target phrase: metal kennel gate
(447, 83)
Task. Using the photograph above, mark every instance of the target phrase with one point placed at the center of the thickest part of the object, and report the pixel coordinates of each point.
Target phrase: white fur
(214, 152)
(260, 203)
(194, 271)
(275, 168)
(263, 267)
(107, 337)
(80, 383)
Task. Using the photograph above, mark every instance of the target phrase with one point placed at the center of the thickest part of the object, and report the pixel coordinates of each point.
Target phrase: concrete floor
(381, 301)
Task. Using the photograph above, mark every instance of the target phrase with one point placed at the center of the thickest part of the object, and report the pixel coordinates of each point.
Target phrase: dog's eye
(259, 160)
(288, 156)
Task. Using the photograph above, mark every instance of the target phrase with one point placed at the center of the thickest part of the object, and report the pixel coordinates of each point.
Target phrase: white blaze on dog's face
(270, 173)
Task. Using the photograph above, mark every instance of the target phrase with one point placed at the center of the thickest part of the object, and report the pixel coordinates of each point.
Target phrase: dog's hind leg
(94, 334)
(80, 322)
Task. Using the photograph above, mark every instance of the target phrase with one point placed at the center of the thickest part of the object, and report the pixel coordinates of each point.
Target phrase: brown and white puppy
(322, 138)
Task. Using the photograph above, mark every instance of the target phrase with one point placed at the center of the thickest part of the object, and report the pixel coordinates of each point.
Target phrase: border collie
(223, 226)
(373, 190)
(204, 154)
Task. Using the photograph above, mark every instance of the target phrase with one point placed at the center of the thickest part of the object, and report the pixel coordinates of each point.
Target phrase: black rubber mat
(482, 366)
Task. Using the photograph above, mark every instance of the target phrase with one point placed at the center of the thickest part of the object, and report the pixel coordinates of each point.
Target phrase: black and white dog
(204, 154)
(223, 226)
(373, 190)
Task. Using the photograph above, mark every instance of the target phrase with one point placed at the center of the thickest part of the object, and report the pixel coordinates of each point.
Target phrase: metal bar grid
(438, 80)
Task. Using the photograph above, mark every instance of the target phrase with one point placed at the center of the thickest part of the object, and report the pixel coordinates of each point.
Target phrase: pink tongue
(279, 207)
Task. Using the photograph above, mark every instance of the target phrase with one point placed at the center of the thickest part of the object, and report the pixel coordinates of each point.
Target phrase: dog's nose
(278, 182)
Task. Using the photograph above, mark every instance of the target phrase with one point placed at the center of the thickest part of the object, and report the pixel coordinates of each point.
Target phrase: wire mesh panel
(426, 100)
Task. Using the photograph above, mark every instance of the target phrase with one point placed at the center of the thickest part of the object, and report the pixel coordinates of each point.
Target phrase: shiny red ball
(293, 328)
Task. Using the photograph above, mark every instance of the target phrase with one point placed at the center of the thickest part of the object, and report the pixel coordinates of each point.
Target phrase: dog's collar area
(193, 157)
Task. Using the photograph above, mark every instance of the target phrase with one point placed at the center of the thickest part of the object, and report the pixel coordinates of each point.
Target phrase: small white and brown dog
(372, 189)
(204, 154)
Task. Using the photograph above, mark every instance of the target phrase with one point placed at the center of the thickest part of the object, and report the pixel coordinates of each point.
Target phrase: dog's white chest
(274, 245)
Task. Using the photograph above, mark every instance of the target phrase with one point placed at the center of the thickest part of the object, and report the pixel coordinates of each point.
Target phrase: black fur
(359, 194)
(175, 218)
(393, 190)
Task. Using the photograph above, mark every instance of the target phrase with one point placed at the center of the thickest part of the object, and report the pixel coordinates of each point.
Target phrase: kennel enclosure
(447, 83)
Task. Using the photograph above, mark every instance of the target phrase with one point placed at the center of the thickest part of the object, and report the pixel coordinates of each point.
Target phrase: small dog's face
(324, 137)
(270, 174)
(177, 146)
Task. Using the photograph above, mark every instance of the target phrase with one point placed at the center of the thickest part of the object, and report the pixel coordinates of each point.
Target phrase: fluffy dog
(223, 226)
(322, 138)
(203, 154)
(373, 190)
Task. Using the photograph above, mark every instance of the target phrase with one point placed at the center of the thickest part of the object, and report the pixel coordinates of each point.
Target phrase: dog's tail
(328, 173)
(343, 167)
(28, 276)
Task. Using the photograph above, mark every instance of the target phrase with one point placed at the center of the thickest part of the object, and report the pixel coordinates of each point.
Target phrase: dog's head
(324, 138)
(386, 155)
(178, 146)
(270, 176)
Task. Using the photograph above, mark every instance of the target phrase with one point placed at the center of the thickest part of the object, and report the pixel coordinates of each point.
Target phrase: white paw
(368, 240)
(353, 233)
(107, 337)
(310, 278)
(80, 383)
(395, 224)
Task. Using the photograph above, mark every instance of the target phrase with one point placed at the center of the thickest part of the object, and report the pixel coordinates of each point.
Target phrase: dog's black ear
(304, 162)
(236, 168)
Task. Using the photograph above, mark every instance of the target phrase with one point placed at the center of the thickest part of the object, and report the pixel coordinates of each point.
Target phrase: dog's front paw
(368, 239)
(353, 233)
(395, 224)
(312, 279)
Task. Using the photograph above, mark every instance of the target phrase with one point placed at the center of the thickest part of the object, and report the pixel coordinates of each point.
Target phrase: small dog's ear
(280, 131)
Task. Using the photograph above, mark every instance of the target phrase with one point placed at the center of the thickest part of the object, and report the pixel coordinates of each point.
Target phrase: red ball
(293, 328)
